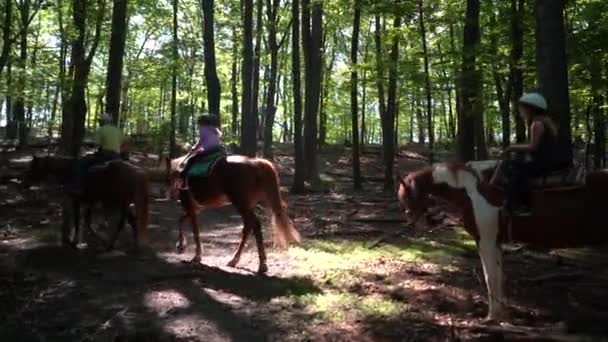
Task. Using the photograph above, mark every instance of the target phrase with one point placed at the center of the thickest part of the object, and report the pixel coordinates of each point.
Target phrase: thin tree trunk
(257, 55)
(427, 80)
(175, 56)
(233, 88)
(299, 174)
(354, 90)
(363, 103)
(248, 115)
(6, 34)
(517, 52)
(312, 35)
(214, 92)
(115, 61)
(272, 9)
(388, 119)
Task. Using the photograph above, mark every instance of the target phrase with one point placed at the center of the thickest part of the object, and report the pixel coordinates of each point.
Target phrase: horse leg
(491, 260)
(180, 245)
(119, 228)
(237, 254)
(252, 223)
(192, 214)
(259, 240)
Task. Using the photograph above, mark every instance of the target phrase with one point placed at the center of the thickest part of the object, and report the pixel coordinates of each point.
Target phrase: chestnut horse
(116, 185)
(243, 182)
(561, 217)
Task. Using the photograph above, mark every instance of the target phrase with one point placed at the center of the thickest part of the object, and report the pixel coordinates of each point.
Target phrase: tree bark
(299, 174)
(233, 87)
(6, 34)
(427, 81)
(388, 118)
(175, 55)
(115, 61)
(379, 66)
(517, 52)
(257, 55)
(552, 68)
(599, 119)
(76, 108)
(470, 84)
(272, 9)
(312, 36)
(248, 115)
(19, 104)
(354, 90)
(214, 92)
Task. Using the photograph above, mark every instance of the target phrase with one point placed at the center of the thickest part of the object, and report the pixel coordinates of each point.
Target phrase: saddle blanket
(203, 165)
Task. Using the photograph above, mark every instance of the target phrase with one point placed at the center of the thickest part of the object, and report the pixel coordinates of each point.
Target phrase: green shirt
(109, 138)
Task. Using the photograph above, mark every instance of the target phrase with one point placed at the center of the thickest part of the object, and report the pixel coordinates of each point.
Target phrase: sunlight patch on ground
(193, 328)
(162, 302)
(334, 306)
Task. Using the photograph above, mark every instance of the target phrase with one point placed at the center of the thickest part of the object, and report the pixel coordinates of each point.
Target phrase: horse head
(413, 195)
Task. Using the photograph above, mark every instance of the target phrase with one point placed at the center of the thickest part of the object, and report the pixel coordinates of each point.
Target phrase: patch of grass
(334, 306)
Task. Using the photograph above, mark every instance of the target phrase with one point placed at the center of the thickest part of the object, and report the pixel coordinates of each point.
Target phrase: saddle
(572, 176)
(202, 165)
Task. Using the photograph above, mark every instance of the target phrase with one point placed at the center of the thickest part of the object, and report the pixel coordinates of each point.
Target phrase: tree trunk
(420, 119)
(354, 90)
(115, 61)
(326, 76)
(299, 174)
(363, 104)
(379, 67)
(470, 84)
(248, 115)
(233, 87)
(517, 52)
(214, 92)
(257, 55)
(312, 35)
(19, 105)
(427, 81)
(552, 68)
(175, 55)
(272, 9)
(388, 118)
(6, 34)
(599, 119)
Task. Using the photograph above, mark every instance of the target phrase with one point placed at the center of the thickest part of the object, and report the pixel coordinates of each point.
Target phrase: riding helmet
(535, 100)
(209, 120)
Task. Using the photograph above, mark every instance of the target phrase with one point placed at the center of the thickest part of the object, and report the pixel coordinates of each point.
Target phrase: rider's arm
(536, 133)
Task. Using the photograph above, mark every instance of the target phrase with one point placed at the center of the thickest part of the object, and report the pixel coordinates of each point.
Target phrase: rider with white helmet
(541, 150)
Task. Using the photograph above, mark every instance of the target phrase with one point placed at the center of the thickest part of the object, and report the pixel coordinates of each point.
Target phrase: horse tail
(141, 205)
(284, 232)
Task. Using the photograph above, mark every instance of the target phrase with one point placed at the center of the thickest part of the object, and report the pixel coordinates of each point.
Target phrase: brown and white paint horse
(561, 217)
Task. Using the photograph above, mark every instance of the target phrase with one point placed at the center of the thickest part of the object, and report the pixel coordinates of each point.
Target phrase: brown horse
(115, 184)
(561, 217)
(244, 182)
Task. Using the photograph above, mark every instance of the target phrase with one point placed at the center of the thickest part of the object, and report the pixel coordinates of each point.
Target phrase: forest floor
(350, 280)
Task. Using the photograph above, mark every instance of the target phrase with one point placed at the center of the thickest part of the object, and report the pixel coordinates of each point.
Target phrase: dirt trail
(422, 285)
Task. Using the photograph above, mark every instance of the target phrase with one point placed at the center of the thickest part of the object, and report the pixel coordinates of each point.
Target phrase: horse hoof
(263, 269)
(232, 263)
(196, 259)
